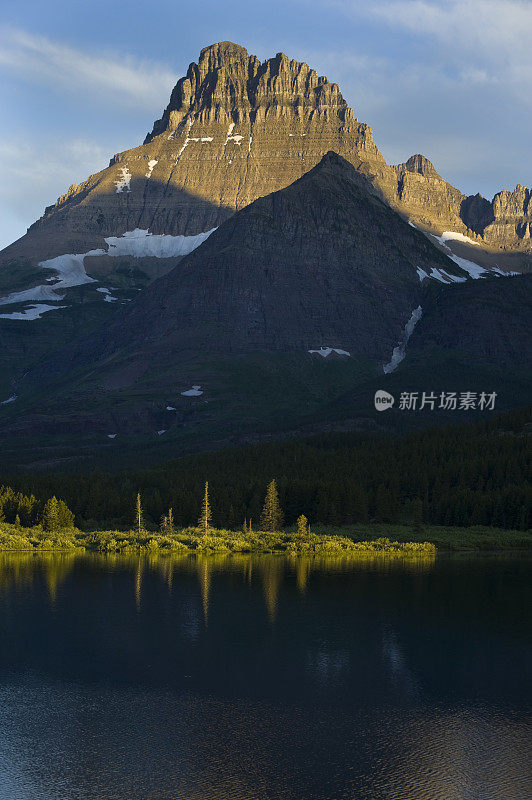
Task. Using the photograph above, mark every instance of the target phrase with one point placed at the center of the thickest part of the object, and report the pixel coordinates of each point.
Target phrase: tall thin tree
(139, 516)
(206, 513)
(272, 514)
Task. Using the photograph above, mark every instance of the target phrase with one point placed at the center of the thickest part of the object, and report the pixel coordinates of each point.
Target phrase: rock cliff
(236, 129)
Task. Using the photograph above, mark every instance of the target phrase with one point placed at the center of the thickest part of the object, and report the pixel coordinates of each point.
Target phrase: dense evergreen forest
(458, 476)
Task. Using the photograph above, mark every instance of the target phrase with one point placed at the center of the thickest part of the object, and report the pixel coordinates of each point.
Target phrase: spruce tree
(139, 517)
(65, 517)
(50, 516)
(206, 514)
(303, 527)
(167, 523)
(272, 515)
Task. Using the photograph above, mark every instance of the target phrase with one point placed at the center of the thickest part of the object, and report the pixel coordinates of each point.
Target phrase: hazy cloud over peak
(117, 78)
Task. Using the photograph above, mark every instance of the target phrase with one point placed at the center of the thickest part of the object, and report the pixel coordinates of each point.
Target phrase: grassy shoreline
(355, 540)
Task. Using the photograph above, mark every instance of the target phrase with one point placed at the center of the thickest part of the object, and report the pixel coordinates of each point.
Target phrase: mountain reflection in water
(264, 677)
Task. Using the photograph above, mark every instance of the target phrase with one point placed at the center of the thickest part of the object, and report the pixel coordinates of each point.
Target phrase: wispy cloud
(119, 78)
(482, 41)
(34, 174)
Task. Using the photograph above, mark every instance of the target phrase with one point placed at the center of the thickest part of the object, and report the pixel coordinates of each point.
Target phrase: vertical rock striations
(236, 129)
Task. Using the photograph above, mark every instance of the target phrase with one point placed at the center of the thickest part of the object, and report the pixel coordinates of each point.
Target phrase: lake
(261, 678)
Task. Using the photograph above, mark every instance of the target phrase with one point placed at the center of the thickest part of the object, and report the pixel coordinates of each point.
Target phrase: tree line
(464, 475)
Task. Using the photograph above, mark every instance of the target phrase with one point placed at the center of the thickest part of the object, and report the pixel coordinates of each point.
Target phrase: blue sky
(82, 80)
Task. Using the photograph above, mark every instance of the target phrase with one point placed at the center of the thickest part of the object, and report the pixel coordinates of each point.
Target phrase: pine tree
(206, 514)
(65, 517)
(303, 528)
(167, 523)
(139, 516)
(50, 516)
(272, 515)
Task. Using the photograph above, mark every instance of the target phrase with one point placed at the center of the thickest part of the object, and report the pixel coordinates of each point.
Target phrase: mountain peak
(420, 164)
(222, 55)
(229, 85)
(222, 51)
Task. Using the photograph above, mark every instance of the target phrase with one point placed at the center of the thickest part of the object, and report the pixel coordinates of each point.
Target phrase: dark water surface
(264, 678)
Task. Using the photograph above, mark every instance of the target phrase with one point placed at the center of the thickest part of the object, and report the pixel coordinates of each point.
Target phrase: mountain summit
(236, 129)
(258, 216)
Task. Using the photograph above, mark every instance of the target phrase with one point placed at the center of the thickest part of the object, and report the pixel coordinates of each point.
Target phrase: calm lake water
(263, 678)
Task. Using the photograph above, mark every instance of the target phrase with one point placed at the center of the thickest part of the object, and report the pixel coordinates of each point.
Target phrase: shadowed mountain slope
(281, 321)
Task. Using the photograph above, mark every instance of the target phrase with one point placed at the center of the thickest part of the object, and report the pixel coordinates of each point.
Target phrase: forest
(467, 475)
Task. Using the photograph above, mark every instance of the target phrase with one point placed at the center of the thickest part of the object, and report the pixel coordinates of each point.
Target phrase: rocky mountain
(288, 316)
(258, 246)
(236, 129)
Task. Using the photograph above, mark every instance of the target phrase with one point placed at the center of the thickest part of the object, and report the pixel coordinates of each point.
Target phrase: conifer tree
(139, 516)
(303, 527)
(272, 515)
(167, 523)
(206, 514)
(50, 516)
(65, 517)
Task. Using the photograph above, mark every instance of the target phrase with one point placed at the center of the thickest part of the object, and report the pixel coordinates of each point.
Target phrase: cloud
(119, 78)
(34, 174)
(480, 41)
(446, 79)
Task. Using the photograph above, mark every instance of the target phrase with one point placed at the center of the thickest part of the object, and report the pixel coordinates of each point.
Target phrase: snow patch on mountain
(326, 351)
(109, 298)
(455, 236)
(473, 269)
(31, 312)
(9, 400)
(399, 352)
(151, 165)
(185, 143)
(70, 268)
(122, 184)
(194, 392)
(141, 243)
(444, 277)
(70, 272)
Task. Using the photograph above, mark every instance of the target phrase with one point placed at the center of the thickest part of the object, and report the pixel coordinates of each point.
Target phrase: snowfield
(194, 392)
(326, 351)
(151, 165)
(70, 268)
(457, 237)
(31, 312)
(473, 269)
(399, 352)
(141, 243)
(122, 184)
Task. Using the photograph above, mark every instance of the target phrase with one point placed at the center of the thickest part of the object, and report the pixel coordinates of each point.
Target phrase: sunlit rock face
(236, 129)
